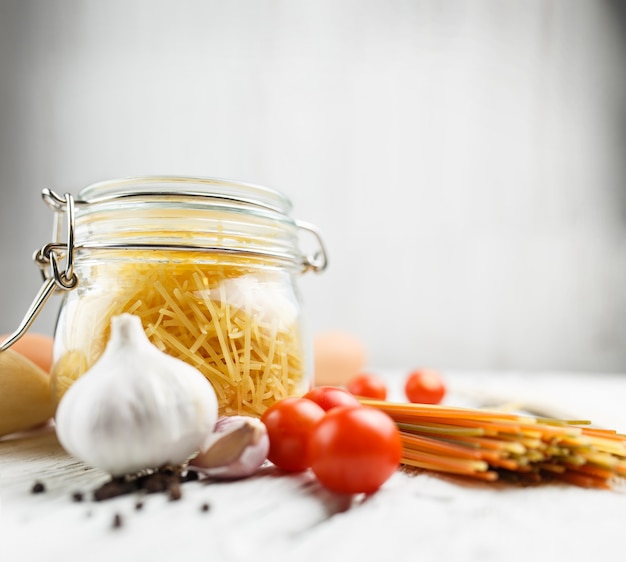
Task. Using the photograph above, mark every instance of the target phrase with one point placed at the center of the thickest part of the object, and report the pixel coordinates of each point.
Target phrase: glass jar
(210, 266)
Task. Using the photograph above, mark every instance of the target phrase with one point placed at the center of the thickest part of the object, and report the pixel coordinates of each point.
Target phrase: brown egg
(338, 357)
(36, 347)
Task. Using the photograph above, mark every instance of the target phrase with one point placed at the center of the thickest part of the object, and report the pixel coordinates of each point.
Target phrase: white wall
(464, 159)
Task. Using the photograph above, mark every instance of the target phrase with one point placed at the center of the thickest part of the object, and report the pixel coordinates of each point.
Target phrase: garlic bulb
(136, 408)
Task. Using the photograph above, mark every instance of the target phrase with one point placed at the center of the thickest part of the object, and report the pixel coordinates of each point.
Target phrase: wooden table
(276, 517)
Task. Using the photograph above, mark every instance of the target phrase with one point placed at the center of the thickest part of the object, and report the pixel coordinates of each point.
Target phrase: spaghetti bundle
(487, 445)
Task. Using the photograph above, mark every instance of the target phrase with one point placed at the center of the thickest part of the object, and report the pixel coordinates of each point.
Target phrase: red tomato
(425, 386)
(367, 386)
(329, 397)
(355, 449)
(289, 424)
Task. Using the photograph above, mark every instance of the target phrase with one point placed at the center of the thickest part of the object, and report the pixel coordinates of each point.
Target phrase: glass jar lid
(217, 191)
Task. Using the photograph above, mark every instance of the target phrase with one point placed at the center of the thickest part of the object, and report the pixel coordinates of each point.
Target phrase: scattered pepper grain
(38, 488)
(117, 521)
(175, 493)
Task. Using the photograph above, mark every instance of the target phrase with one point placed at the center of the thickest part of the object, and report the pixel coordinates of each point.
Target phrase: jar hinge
(48, 259)
(318, 261)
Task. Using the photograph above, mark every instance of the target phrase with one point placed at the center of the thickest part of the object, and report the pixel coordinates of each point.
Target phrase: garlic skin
(137, 408)
(237, 449)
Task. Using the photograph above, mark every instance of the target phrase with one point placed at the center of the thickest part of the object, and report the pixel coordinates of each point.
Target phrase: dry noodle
(487, 445)
(235, 324)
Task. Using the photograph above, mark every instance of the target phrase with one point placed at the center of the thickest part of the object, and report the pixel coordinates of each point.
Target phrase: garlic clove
(136, 408)
(238, 448)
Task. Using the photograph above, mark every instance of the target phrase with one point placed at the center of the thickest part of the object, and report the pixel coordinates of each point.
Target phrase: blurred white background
(465, 160)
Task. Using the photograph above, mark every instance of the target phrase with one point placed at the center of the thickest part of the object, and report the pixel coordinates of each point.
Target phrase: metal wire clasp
(49, 260)
(318, 261)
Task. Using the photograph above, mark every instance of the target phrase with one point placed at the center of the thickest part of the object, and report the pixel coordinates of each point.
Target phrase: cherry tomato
(329, 397)
(289, 424)
(425, 386)
(367, 386)
(354, 449)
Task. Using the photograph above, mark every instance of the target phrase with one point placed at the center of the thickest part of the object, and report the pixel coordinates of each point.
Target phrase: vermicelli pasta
(238, 325)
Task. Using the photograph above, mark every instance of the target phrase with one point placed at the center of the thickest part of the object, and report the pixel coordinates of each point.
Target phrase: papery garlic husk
(136, 408)
(238, 448)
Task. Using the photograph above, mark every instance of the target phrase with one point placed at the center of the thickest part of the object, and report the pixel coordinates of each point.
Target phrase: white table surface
(276, 517)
